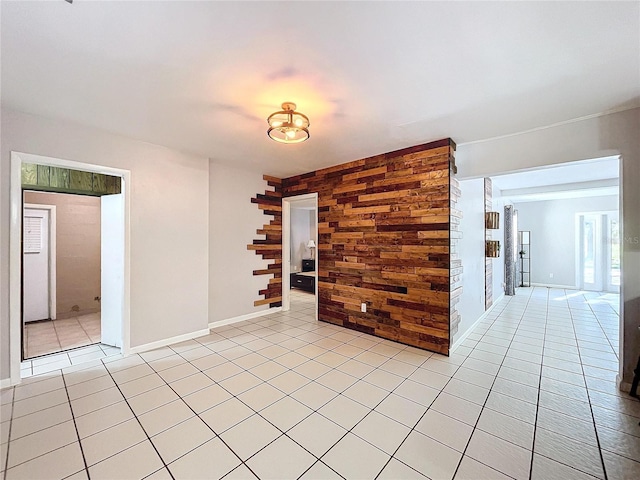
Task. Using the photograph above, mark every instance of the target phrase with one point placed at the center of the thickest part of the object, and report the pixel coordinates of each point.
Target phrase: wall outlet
(363, 307)
(551, 275)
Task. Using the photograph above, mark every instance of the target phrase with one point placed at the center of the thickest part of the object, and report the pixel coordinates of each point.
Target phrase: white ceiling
(372, 76)
(587, 178)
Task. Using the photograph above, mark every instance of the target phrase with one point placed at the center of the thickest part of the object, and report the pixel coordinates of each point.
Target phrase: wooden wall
(65, 180)
(270, 248)
(384, 239)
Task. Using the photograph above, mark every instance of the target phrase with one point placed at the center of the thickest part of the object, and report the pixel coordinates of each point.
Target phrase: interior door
(112, 269)
(35, 258)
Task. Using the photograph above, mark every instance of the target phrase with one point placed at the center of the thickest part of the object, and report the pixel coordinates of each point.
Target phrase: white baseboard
(623, 386)
(475, 324)
(6, 382)
(168, 341)
(552, 285)
(241, 318)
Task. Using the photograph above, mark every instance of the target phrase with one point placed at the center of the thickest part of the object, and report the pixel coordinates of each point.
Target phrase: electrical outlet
(363, 307)
(551, 275)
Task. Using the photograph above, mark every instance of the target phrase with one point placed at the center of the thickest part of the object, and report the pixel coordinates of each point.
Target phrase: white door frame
(286, 248)
(52, 254)
(15, 249)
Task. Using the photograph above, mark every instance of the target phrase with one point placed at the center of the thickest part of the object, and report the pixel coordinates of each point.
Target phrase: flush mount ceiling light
(287, 125)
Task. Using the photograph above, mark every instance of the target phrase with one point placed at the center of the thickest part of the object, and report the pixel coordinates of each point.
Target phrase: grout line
(535, 424)
(593, 418)
(75, 426)
(475, 427)
(293, 321)
(139, 423)
(6, 459)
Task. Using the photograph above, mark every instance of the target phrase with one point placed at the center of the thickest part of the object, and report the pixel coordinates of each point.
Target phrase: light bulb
(290, 133)
(298, 122)
(276, 124)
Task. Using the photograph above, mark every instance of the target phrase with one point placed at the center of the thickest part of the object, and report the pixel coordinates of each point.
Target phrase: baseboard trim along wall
(623, 386)
(551, 285)
(464, 336)
(5, 382)
(241, 318)
(168, 341)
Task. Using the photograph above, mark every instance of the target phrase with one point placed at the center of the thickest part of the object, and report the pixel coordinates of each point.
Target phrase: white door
(35, 260)
(112, 269)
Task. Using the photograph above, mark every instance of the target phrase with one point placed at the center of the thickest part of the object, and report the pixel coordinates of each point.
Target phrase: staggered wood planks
(488, 261)
(384, 240)
(270, 248)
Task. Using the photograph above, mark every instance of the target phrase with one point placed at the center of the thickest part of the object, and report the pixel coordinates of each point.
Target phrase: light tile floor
(530, 394)
(67, 358)
(44, 338)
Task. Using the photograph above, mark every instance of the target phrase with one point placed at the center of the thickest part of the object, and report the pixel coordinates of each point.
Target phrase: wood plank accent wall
(455, 273)
(65, 180)
(270, 247)
(488, 261)
(383, 230)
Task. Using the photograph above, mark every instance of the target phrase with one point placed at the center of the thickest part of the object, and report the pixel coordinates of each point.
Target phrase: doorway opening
(300, 262)
(60, 272)
(570, 213)
(598, 247)
(69, 264)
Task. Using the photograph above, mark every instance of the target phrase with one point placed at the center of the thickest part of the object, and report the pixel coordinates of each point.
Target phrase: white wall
(553, 235)
(471, 251)
(233, 221)
(596, 137)
(168, 225)
(302, 230)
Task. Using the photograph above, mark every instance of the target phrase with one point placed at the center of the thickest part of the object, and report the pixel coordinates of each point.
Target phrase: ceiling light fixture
(287, 125)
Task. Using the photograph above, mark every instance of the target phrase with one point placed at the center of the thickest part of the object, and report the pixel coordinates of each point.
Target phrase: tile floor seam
(593, 418)
(475, 426)
(75, 426)
(141, 426)
(6, 460)
(535, 423)
(216, 435)
(498, 325)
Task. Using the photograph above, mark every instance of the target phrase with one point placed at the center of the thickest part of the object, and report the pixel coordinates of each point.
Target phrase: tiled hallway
(43, 338)
(530, 394)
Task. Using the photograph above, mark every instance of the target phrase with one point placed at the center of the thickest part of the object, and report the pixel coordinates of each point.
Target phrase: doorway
(598, 247)
(300, 262)
(118, 270)
(68, 316)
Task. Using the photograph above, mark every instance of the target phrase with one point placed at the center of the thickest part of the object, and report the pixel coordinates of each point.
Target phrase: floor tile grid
(400, 348)
(505, 303)
(57, 360)
(597, 435)
(493, 316)
(244, 462)
(149, 438)
(539, 387)
(301, 420)
(547, 336)
(69, 333)
(75, 425)
(600, 319)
